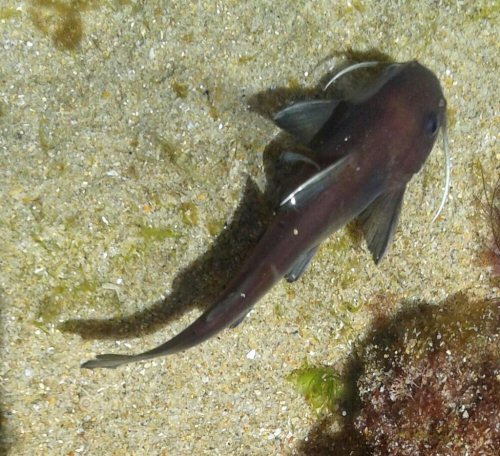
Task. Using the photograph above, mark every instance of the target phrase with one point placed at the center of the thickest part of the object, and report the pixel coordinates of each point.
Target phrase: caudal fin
(110, 361)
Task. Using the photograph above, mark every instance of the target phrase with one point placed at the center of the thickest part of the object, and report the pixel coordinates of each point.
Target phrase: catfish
(365, 149)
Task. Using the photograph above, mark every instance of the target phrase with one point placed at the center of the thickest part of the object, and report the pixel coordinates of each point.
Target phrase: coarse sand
(134, 137)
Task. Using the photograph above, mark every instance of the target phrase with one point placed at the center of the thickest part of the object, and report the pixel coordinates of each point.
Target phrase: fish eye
(431, 124)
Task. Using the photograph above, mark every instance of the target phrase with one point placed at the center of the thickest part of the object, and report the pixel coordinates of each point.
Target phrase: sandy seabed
(128, 134)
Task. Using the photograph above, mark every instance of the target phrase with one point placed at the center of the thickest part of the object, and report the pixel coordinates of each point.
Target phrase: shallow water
(128, 132)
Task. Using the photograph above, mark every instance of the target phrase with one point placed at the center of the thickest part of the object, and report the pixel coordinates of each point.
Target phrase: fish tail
(110, 361)
(228, 310)
(211, 322)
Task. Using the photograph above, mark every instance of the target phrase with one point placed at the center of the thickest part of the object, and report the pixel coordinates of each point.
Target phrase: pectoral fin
(303, 120)
(300, 265)
(379, 221)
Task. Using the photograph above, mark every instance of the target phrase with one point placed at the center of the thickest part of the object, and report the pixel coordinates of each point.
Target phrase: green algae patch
(65, 295)
(151, 233)
(294, 84)
(170, 152)
(51, 306)
(357, 5)
(351, 307)
(243, 59)
(189, 214)
(44, 135)
(181, 90)
(321, 388)
(279, 311)
(61, 20)
(8, 13)
(214, 226)
(188, 38)
(486, 12)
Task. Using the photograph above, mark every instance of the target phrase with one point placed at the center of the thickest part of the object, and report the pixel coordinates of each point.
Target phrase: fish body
(365, 150)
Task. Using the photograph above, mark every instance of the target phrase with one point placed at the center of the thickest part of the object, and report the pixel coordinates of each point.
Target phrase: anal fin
(300, 265)
(238, 321)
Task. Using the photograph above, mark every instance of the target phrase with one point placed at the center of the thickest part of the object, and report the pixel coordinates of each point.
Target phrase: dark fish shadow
(202, 281)
(195, 286)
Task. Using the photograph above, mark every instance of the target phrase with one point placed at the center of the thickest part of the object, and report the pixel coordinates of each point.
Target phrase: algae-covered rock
(431, 381)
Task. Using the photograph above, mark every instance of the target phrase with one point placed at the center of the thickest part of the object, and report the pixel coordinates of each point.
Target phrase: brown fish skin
(366, 148)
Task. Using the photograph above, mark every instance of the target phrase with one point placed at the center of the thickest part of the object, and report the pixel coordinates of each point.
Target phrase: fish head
(414, 110)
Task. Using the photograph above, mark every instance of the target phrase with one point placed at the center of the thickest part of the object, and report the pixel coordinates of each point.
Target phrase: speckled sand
(99, 142)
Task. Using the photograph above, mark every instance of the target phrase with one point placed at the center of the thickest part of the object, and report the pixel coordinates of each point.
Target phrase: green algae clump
(189, 214)
(151, 233)
(181, 90)
(321, 388)
(61, 20)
